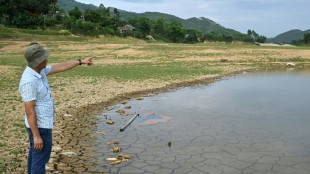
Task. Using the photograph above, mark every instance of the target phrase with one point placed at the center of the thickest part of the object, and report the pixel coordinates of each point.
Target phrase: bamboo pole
(128, 123)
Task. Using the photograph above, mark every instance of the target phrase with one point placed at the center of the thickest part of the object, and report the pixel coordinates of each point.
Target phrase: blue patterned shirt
(34, 86)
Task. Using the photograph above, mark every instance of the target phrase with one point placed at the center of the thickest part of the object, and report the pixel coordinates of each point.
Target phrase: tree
(75, 13)
(256, 37)
(176, 32)
(307, 38)
(228, 38)
(192, 36)
(116, 16)
(92, 15)
(142, 24)
(19, 9)
(159, 27)
(261, 39)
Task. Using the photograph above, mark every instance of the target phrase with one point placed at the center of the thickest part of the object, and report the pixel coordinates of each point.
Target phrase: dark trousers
(38, 158)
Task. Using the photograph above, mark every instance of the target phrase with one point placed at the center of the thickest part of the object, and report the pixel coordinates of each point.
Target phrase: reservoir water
(253, 123)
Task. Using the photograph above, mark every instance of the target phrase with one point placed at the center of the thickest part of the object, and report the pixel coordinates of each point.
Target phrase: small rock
(69, 154)
(224, 60)
(140, 98)
(47, 168)
(56, 148)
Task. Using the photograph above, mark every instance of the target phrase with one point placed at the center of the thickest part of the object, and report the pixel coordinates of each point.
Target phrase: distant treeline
(305, 40)
(43, 14)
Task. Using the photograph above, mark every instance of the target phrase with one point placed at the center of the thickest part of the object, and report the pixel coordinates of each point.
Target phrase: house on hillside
(127, 28)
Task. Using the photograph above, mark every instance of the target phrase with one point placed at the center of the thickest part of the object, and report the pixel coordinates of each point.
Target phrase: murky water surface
(252, 123)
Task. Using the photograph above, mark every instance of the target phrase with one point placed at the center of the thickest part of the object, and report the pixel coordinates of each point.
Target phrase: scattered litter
(124, 157)
(122, 112)
(67, 115)
(110, 159)
(290, 64)
(102, 133)
(115, 149)
(110, 122)
(110, 143)
(116, 162)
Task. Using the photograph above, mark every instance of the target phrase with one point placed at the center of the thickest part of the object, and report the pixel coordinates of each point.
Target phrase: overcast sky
(266, 17)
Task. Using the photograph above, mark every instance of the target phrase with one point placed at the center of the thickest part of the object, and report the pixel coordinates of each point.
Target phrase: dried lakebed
(252, 123)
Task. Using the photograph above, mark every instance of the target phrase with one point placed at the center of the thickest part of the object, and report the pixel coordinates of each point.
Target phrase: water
(252, 123)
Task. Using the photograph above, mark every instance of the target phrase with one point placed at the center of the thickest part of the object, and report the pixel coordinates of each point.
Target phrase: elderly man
(39, 106)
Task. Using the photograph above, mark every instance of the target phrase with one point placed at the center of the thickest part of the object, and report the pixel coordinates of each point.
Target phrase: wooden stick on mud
(128, 123)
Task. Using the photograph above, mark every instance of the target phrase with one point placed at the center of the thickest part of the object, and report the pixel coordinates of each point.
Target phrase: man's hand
(32, 120)
(37, 143)
(88, 60)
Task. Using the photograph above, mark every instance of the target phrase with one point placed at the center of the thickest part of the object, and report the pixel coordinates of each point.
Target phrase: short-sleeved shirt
(34, 87)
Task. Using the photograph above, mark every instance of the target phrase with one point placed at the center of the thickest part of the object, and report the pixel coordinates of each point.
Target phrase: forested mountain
(204, 24)
(288, 37)
(68, 5)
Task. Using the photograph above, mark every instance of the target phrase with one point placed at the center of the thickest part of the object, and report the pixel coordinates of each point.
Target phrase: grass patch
(144, 71)
(3, 44)
(16, 152)
(2, 144)
(18, 125)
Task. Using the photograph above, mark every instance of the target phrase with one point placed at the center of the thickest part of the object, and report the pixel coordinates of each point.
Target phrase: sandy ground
(80, 97)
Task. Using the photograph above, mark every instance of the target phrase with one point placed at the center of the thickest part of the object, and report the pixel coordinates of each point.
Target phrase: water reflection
(252, 123)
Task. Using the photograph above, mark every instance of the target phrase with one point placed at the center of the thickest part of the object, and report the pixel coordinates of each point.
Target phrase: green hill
(288, 36)
(204, 24)
(68, 5)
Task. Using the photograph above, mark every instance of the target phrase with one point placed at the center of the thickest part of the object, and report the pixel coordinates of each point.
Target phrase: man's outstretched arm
(60, 67)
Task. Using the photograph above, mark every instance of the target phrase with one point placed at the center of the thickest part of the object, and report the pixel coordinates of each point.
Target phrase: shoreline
(85, 118)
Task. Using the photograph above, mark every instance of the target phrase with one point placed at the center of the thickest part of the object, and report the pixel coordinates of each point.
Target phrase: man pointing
(39, 107)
